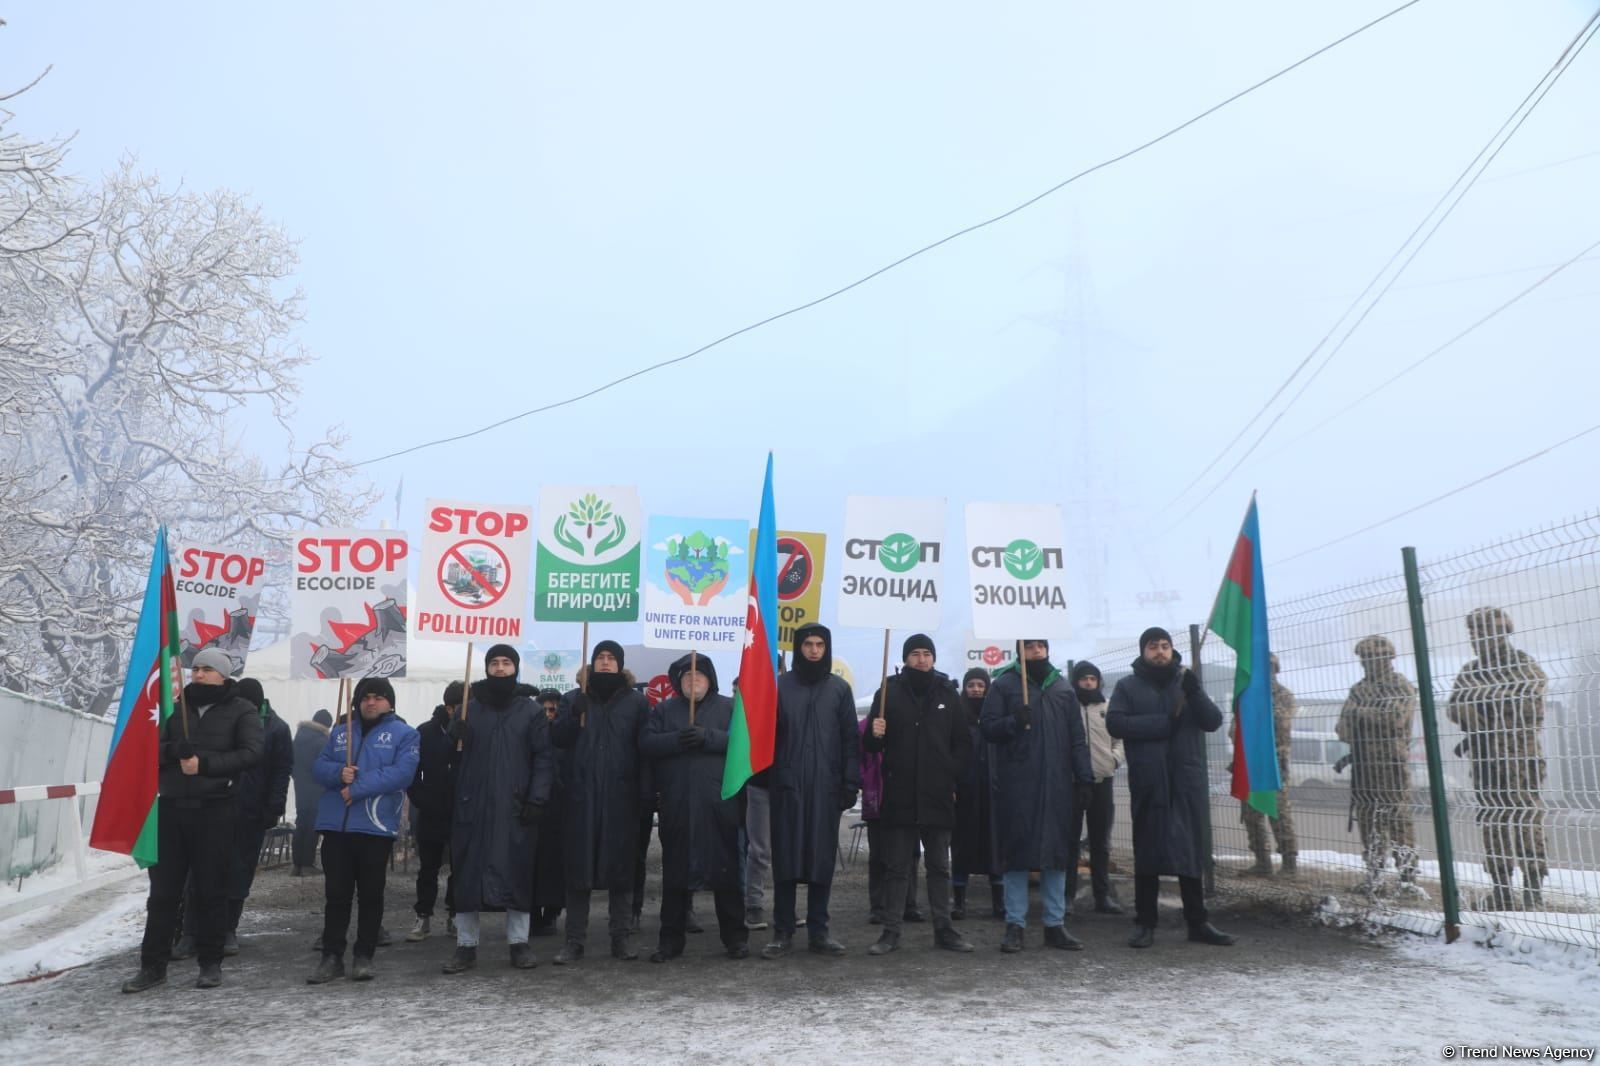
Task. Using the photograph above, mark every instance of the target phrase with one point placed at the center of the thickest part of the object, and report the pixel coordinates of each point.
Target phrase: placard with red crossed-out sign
(800, 557)
(473, 578)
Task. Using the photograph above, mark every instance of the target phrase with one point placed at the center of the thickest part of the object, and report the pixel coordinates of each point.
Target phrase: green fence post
(1430, 740)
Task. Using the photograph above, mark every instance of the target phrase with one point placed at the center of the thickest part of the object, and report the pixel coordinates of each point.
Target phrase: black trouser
(1146, 887)
(783, 907)
(640, 851)
(195, 839)
(305, 835)
(1099, 815)
(247, 838)
(877, 864)
(618, 913)
(430, 858)
(675, 904)
(354, 864)
(900, 869)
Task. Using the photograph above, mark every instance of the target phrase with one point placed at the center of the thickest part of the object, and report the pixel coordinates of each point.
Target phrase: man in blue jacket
(358, 818)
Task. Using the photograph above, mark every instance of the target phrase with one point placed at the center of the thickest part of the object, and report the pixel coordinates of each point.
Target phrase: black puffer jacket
(264, 787)
(227, 738)
(430, 792)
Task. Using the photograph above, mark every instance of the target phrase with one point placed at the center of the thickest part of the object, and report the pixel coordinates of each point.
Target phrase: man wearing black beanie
(919, 726)
(602, 723)
(1161, 714)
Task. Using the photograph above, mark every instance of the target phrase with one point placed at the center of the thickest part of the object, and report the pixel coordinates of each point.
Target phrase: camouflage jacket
(1500, 706)
(1376, 721)
(1283, 708)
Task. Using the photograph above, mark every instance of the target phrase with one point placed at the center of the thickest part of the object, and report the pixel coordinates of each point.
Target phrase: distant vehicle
(1311, 758)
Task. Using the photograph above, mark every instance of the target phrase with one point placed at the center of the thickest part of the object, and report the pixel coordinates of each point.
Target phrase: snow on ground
(73, 932)
(59, 875)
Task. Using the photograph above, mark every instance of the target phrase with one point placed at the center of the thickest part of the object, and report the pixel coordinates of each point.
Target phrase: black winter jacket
(227, 738)
(925, 749)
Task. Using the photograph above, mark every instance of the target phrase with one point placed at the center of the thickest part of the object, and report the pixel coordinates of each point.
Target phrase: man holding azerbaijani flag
(189, 757)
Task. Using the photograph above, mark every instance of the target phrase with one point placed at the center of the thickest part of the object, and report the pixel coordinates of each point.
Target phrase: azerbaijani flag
(755, 706)
(1240, 619)
(125, 818)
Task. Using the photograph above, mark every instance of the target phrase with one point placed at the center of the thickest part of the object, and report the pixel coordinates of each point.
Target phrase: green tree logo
(590, 514)
(899, 552)
(552, 661)
(1023, 560)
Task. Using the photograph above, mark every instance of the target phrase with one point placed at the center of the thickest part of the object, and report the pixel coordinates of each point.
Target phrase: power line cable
(797, 309)
(1463, 182)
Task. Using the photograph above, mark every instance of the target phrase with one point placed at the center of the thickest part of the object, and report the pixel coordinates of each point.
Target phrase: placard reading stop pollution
(696, 583)
(588, 554)
(472, 579)
(218, 593)
(892, 563)
(1016, 570)
(348, 609)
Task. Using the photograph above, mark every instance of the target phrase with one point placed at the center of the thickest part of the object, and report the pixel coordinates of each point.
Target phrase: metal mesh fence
(1513, 642)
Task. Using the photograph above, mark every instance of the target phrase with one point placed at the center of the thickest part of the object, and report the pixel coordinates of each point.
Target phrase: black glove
(847, 798)
(458, 729)
(1191, 684)
(1339, 767)
(1024, 716)
(691, 737)
(183, 749)
(529, 813)
(1083, 795)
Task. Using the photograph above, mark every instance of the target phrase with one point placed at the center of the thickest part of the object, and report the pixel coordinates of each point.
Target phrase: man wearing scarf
(195, 816)
(1105, 755)
(972, 845)
(814, 778)
(1161, 714)
(919, 726)
(1041, 777)
(503, 774)
(602, 722)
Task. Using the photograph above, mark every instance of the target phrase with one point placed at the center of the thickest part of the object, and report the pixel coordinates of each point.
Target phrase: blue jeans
(1052, 893)
(783, 916)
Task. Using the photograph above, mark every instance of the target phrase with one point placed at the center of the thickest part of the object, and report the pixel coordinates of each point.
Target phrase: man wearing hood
(1042, 776)
(602, 722)
(213, 738)
(920, 727)
(699, 829)
(1105, 755)
(549, 875)
(503, 772)
(814, 778)
(368, 763)
(309, 738)
(1498, 701)
(431, 810)
(1161, 713)
(972, 844)
(1376, 721)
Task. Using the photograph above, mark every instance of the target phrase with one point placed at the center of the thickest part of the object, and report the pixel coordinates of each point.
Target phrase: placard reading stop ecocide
(472, 579)
(348, 617)
(218, 592)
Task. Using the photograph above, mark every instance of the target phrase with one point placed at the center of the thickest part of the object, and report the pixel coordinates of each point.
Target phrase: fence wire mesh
(1513, 635)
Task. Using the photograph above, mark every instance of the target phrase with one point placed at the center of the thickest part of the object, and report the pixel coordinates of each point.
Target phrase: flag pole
(694, 660)
(883, 682)
(466, 680)
(345, 697)
(1205, 630)
(583, 662)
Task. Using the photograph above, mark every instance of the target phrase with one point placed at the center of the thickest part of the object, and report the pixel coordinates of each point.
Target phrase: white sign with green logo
(892, 572)
(1016, 570)
(588, 558)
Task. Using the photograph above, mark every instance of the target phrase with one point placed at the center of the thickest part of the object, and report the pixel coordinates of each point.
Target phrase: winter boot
(781, 945)
(1107, 904)
(958, 907)
(1011, 943)
(753, 918)
(522, 957)
(463, 960)
(230, 943)
(997, 900)
(1142, 937)
(183, 949)
(1501, 898)
(622, 949)
(384, 939)
(316, 945)
(887, 942)
(330, 967)
(1532, 895)
(1289, 867)
(823, 944)
(1056, 936)
(419, 930)
(691, 924)
(912, 914)
(1206, 933)
(1262, 868)
(950, 940)
(360, 968)
(571, 954)
(740, 949)
(147, 977)
(210, 976)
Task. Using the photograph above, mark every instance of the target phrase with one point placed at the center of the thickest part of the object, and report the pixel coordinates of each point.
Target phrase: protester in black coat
(1162, 714)
(503, 775)
(309, 740)
(814, 778)
(432, 810)
(919, 725)
(549, 864)
(699, 829)
(972, 843)
(609, 789)
(1041, 772)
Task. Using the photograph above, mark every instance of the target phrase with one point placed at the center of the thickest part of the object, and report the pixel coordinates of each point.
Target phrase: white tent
(430, 665)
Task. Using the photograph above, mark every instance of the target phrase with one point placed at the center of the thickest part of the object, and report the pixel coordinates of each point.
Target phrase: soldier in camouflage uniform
(1376, 721)
(1255, 822)
(1498, 701)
